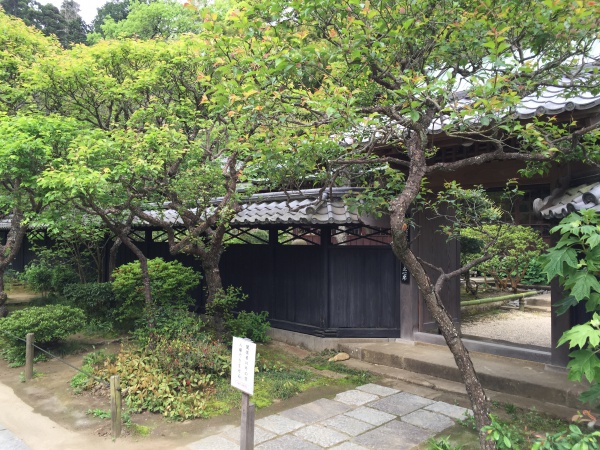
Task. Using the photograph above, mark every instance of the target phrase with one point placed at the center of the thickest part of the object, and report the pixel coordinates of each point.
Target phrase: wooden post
(522, 303)
(247, 426)
(115, 406)
(29, 351)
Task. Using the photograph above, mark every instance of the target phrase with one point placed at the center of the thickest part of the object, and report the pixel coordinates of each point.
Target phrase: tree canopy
(184, 103)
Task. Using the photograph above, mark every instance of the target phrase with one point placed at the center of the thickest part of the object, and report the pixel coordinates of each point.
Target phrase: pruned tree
(384, 74)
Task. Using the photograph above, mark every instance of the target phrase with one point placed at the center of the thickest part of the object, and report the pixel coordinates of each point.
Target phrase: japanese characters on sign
(243, 357)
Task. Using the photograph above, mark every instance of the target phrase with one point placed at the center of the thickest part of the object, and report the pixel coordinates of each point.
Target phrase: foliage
(171, 283)
(225, 302)
(249, 325)
(46, 277)
(513, 248)
(49, 324)
(442, 444)
(535, 273)
(503, 436)
(575, 260)
(169, 323)
(65, 24)
(571, 439)
(172, 379)
(96, 299)
(153, 20)
(92, 362)
(507, 437)
(243, 324)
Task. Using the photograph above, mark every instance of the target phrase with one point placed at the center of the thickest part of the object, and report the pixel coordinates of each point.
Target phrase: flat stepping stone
(316, 411)
(287, 442)
(324, 437)
(355, 397)
(428, 420)
(279, 424)
(348, 425)
(401, 404)
(456, 412)
(395, 435)
(377, 389)
(370, 415)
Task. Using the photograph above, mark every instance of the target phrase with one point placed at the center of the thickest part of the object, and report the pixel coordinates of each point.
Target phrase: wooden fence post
(247, 428)
(115, 406)
(29, 350)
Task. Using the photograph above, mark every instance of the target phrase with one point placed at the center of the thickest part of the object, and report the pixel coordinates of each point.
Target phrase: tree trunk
(112, 257)
(3, 296)
(212, 275)
(479, 401)
(416, 144)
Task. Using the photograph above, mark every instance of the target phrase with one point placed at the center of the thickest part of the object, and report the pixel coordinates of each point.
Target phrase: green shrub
(50, 324)
(170, 283)
(48, 278)
(246, 324)
(225, 302)
(535, 273)
(250, 325)
(573, 438)
(169, 323)
(96, 299)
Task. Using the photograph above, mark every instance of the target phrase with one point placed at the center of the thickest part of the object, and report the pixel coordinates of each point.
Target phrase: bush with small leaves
(50, 324)
(96, 299)
(171, 283)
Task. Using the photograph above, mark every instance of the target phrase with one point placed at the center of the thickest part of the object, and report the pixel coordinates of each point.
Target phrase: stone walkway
(9, 441)
(368, 417)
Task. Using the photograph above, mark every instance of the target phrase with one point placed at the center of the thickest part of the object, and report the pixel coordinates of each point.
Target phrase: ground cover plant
(189, 378)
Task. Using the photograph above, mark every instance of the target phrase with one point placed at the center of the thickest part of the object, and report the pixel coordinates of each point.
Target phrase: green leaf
(579, 335)
(581, 284)
(584, 363)
(556, 260)
(563, 305)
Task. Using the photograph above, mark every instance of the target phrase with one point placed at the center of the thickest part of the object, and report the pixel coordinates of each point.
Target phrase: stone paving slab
(8, 441)
(287, 442)
(279, 424)
(394, 435)
(316, 411)
(370, 415)
(355, 397)
(428, 420)
(349, 446)
(456, 412)
(214, 443)
(391, 420)
(325, 437)
(382, 391)
(401, 404)
(348, 425)
(260, 435)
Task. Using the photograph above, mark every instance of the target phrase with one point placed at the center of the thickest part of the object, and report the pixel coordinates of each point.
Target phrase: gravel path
(529, 328)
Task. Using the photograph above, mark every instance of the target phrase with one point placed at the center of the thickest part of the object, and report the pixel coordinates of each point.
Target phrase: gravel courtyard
(527, 328)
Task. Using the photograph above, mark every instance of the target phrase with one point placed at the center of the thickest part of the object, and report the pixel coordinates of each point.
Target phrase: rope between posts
(99, 380)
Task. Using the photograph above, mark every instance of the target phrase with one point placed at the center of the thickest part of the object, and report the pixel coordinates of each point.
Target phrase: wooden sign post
(243, 358)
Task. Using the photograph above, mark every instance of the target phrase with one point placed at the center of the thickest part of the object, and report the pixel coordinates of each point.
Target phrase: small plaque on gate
(243, 357)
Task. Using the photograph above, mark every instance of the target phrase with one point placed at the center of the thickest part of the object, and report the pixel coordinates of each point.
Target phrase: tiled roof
(573, 199)
(550, 101)
(311, 206)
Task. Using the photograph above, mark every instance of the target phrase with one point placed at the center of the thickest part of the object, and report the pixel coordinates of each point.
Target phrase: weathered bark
(3, 296)
(416, 143)
(9, 251)
(212, 276)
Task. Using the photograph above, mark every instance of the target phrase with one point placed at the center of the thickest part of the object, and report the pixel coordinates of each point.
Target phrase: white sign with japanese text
(243, 357)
